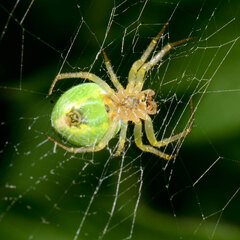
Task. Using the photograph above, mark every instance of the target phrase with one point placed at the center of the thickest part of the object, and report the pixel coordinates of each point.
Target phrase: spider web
(47, 193)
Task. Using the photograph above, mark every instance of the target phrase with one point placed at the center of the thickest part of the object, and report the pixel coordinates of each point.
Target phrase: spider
(89, 115)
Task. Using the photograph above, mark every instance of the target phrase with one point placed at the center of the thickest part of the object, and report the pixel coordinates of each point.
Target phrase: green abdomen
(80, 115)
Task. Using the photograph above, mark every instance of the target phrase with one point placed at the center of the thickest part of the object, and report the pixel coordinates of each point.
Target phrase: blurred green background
(45, 195)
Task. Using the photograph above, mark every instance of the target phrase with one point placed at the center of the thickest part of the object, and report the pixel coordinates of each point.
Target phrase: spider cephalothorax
(89, 115)
(128, 106)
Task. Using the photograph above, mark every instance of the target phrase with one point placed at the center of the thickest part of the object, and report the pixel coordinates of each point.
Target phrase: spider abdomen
(80, 115)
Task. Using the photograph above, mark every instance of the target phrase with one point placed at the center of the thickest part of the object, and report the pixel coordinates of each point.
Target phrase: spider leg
(147, 148)
(151, 135)
(113, 76)
(102, 144)
(84, 75)
(155, 59)
(122, 138)
(136, 65)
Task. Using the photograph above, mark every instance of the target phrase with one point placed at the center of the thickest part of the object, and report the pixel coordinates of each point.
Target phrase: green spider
(89, 115)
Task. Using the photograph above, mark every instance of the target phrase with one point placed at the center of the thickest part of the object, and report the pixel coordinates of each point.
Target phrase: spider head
(146, 99)
(131, 106)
